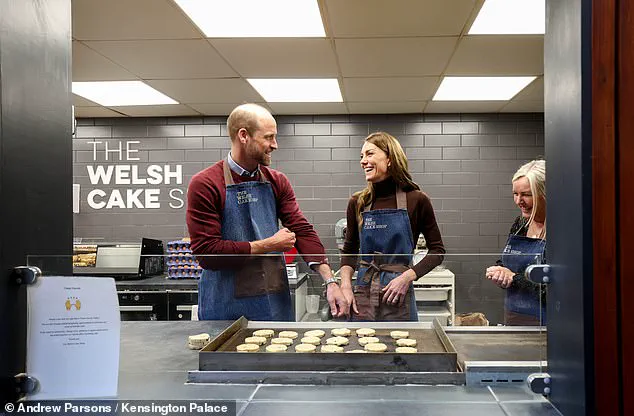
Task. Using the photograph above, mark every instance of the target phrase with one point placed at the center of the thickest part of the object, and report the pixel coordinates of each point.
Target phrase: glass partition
(489, 311)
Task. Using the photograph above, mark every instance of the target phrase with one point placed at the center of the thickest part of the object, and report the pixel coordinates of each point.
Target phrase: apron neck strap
(401, 201)
(229, 178)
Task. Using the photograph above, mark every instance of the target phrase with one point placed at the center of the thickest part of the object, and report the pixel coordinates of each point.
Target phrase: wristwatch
(329, 281)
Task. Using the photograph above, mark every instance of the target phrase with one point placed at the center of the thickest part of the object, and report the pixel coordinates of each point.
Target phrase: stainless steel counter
(155, 360)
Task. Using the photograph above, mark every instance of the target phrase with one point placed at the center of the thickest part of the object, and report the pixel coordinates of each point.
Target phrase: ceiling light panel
(255, 18)
(480, 88)
(120, 93)
(510, 17)
(298, 90)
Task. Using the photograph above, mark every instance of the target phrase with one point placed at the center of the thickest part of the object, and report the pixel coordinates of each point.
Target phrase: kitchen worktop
(154, 362)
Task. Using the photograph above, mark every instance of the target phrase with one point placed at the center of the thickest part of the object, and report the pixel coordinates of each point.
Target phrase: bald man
(233, 208)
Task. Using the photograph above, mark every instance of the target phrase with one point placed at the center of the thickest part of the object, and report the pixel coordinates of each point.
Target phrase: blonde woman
(525, 301)
(384, 221)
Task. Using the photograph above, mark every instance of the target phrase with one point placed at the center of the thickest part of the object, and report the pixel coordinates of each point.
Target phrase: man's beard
(261, 157)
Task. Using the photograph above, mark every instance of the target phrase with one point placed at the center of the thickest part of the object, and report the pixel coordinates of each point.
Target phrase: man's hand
(395, 291)
(348, 294)
(283, 240)
(339, 305)
(501, 276)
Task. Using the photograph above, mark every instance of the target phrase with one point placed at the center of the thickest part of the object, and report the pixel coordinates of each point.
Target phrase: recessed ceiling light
(480, 88)
(324, 90)
(510, 17)
(255, 18)
(120, 93)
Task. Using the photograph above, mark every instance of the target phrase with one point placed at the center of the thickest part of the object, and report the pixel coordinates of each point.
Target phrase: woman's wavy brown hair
(397, 169)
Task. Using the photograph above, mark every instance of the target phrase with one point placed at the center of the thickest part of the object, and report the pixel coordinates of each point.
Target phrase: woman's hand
(395, 291)
(500, 275)
(348, 294)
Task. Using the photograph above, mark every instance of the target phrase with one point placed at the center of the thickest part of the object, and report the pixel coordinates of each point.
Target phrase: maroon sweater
(421, 217)
(206, 202)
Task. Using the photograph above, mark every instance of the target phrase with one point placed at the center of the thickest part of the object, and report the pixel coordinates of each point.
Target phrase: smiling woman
(525, 302)
(389, 214)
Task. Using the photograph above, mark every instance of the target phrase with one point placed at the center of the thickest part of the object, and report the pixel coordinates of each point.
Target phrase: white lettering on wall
(130, 174)
(180, 203)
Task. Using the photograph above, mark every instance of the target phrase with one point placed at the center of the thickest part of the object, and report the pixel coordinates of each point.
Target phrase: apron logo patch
(508, 250)
(245, 198)
(370, 224)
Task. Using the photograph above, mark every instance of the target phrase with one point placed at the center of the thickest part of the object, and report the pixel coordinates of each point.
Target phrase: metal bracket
(539, 273)
(539, 383)
(25, 275)
(26, 384)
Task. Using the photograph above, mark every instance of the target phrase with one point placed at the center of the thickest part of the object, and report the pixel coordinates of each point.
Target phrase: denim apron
(384, 231)
(258, 289)
(518, 254)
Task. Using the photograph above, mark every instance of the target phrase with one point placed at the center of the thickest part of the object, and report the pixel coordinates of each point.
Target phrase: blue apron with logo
(518, 254)
(258, 288)
(384, 231)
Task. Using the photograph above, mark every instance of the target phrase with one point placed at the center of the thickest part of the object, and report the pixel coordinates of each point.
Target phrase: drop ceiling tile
(89, 65)
(95, 112)
(130, 19)
(414, 57)
(390, 89)
(79, 101)
(524, 107)
(386, 108)
(307, 108)
(209, 91)
(378, 18)
(166, 59)
(220, 109)
(464, 106)
(157, 110)
(279, 57)
(498, 55)
(533, 92)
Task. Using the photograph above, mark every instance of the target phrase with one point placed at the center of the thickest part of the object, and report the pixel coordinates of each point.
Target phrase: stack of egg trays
(180, 262)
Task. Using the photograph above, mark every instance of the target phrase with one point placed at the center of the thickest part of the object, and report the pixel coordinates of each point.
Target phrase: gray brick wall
(463, 162)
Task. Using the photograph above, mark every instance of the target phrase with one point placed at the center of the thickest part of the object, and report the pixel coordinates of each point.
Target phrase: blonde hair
(397, 170)
(245, 116)
(535, 172)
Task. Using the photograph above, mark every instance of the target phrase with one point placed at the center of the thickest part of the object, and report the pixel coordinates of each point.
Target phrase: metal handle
(539, 383)
(185, 308)
(26, 275)
(138, 308)
(539, 273)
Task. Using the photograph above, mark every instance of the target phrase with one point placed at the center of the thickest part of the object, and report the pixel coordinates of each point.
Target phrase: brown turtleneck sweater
(421, 217)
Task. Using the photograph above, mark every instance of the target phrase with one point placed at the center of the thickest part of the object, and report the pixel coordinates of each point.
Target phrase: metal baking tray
(436, 352)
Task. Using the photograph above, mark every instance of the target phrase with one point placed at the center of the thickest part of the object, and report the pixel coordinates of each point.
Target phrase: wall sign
(141, 191)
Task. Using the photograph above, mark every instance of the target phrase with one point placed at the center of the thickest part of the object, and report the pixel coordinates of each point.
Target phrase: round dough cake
(340, 332)
(337, 341)
(331, 348)
(276, 348)
(356, 352)
(266, 333)
(287, 334)
(305, 348)
(247, 348)
(281, 341)
(399, 334)
(406, 342)
(368, 340)
(376, 347)
(365, 332)
(315, 333)
(406, 350)
(255, 340)
(311, 340)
